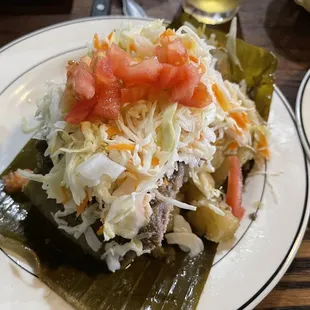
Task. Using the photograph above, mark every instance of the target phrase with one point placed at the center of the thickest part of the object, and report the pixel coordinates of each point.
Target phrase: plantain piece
(215, 227)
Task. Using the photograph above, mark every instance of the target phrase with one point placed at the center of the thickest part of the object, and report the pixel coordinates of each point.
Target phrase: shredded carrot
(111, 131)
(155, 161)
(121, 147)
(96, 42)
(110, 35)
(104, 46)
(241, 119)
(80, 209)
(167, 33)
(262, 146)
(193, 58)
(233, 145)
(132, 47)
(66, 195)
(221, 98)
(100, 230)
(188, 44)
(202, 68)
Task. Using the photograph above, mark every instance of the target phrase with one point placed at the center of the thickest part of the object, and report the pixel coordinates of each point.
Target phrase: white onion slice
(189, 241)
(175, 202)
(97, 165)
(92, 239)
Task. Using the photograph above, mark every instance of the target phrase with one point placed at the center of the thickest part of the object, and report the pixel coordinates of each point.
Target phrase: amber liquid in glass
(212, 11)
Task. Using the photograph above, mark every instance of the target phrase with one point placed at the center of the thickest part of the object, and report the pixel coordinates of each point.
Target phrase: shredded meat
(161, 211)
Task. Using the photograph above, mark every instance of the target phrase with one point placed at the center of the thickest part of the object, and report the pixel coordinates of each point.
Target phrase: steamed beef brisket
(161, 210)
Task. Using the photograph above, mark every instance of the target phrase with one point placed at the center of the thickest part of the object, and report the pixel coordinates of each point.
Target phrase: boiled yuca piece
(214, 226)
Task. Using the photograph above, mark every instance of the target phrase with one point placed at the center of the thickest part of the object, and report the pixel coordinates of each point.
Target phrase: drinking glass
(212, 11)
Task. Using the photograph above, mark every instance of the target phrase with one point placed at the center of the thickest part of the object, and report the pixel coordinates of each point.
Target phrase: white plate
(303, 112)
(246, 268)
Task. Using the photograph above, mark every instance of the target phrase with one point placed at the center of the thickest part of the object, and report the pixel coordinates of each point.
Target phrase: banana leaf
(172, 282)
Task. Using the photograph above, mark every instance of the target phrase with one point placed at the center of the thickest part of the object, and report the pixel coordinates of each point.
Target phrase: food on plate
(134, 150)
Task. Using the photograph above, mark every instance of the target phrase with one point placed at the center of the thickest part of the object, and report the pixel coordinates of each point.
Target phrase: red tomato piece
(80, 111)
(158, 94)
(134, 94)
(201, 97)
(169, 76)
(161, 54)
(120, 60)
(234, 189)
(109, 102)
(83, 82)
(184, 90)
(173, 53)
(145, 72)
(176, 53)
(103, 71)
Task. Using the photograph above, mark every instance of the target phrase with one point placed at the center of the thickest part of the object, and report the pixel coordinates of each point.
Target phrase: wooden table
(277, 25)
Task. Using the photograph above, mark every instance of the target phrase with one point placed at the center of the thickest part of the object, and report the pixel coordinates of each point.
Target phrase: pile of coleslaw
(111, 169)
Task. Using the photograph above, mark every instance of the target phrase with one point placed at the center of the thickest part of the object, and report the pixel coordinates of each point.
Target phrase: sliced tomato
(83, 82)
(158, 94)
(120, 60)
(134, 93)
(161, 54)
(145, 72)
(184, 90)
(109, 102)
(201, 97)
(173, 53)
(80, 111)
(103, 71)
(176, 53)
(234, 189)
(169, 76)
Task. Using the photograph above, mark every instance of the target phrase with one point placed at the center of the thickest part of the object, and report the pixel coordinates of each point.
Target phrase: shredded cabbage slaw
(121, 163)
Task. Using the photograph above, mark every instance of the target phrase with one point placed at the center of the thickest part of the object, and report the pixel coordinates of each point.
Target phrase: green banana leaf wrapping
(172, 281)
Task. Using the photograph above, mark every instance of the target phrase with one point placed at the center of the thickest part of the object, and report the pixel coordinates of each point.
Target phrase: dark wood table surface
(278, 25)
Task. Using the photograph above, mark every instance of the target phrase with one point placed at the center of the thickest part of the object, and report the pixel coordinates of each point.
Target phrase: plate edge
(298, 112)
(290, 255)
